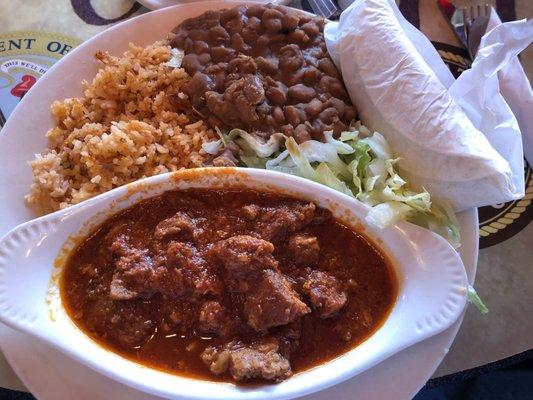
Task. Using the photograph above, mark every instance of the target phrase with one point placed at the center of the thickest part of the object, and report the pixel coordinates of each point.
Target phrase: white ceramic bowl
(432, 284)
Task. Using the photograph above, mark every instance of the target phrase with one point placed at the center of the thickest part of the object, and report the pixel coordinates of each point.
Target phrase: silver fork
(324, 8)
(475, 21)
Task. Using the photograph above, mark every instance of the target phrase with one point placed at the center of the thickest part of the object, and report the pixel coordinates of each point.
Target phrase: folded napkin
(402, 89)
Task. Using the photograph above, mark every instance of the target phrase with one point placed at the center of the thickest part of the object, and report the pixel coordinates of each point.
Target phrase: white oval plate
(50, 375)
(432, 283)
(157, 4)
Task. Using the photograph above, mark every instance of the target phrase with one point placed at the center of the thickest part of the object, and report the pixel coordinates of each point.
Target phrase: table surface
(504, 279)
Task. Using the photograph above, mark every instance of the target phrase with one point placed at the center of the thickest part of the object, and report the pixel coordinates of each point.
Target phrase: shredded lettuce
(379, 146)
(176, 58)
(476, 300)
(213, 147)
(387, 213)
(262, 150)
(325, 176)
(339, 145)
(362, 156)
(223, 136)
(358, 163)
(300, 160)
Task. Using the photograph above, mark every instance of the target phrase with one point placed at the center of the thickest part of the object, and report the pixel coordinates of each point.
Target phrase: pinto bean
(242, 64)
(237, 42)
(277, 94)
(255, 10)
(300, 93)
(327, 66)
(311, 28)
(268, 65)
(296, 77)
(349, 113)
(291, 58)
(188, 44)
(317, 131)
(177, 37)
(272, 13)
(333, 86)
(253, 89)
(290, 21)
(311, 75)
(298, 36)
(305, 19)
(262, 41)
(278, 115)
(253, 23)
(329, 115)
(301, 133)
(292, 115)
(287, 130)
(198, 34)
(235, 25)
(274, 38)
(191, 63)
(218, 35)
(213, 15)
(273, 25)
(338, 104)
(200, 47)
(314, 107)
(232, 13)
(220, 53)
(204, 58)
(338, 127)
(265, 110)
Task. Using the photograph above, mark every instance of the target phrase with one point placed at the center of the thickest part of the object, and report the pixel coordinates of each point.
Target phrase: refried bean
(264, 69)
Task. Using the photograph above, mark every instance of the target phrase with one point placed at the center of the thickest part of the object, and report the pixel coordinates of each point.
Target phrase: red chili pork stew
(227, 285)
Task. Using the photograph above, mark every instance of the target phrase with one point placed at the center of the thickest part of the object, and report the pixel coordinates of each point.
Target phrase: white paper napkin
(477, 91)
(516, 88)
(399, 84)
